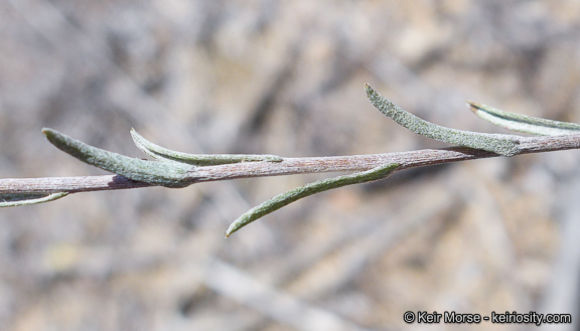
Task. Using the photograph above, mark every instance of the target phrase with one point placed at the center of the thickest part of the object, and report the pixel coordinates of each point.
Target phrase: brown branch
(288, 166)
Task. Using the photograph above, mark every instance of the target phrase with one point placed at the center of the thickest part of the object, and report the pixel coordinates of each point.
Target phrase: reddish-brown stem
(288, 166)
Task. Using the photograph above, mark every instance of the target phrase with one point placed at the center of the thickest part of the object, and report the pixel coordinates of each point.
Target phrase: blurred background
(285, 77)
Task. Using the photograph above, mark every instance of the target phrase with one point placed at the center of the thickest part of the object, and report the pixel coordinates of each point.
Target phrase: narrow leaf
(169, 174)
(23, 199)
(286, 198)
(523, 123)
(506, 145)
(162, 153)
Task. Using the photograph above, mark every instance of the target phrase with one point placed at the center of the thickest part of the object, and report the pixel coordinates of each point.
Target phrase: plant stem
(288, 166)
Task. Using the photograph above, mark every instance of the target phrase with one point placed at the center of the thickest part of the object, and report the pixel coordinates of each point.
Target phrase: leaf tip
(474, 106)
(135, 135)
(369, 90)
(53, 136)
(231, 229)
(48, 131)
(242, 221)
